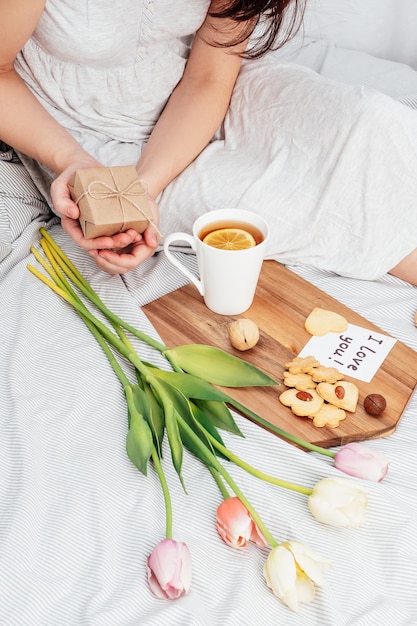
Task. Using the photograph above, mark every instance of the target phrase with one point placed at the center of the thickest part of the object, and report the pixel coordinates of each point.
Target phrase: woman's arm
(29, 128)
(192, 115)
(196, 107)
(24, 123)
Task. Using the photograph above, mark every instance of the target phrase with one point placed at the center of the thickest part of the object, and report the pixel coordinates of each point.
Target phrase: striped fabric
(410, 101)
(77, 520)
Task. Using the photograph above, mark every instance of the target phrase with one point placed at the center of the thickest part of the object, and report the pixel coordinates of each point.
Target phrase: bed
(77, 519)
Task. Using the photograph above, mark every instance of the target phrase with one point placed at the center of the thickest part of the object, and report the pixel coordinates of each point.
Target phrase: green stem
(108, 352)
(117, 343)
(125, 382)
(58, 279)
(219, 482)
(62, 284)
(278, 431)
(155, 458)
(220, 469)
(165, 491)
(77, 278)
(252, 470)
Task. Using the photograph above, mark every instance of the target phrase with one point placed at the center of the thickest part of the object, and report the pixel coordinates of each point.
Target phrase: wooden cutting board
(282, 302)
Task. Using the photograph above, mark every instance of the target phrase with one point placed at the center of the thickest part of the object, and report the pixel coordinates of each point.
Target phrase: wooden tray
(282, 302)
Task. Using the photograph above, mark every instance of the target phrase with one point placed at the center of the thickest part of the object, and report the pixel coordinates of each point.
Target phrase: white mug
(228, 278)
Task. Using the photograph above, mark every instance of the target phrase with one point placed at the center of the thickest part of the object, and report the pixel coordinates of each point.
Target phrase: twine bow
(100, 190)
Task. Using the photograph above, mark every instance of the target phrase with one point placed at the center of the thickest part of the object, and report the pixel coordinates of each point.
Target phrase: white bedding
(77, 520)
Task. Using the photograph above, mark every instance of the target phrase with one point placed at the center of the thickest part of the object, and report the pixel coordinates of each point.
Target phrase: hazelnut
(374, 404)
(243, 334)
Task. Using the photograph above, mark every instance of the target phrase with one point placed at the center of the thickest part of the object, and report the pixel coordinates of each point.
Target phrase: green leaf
(156, 419)
(139, 441)
(220, 415)
(199, 448)
(210, 399)
(191, 386)
(173, 404)
(136, 401)
(217, 367)
(202, 420)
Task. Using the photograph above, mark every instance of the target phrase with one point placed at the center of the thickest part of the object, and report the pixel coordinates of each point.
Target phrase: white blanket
(78, 520)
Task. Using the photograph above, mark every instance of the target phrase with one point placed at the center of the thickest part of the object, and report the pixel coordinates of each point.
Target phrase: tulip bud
(169, 569)
(235, 525)
(339, 502)
(292, 570)
(358, 460)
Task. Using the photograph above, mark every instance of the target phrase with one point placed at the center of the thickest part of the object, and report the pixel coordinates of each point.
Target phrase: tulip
(169, 569)
(339, 502)
(358, 460)
(236, 526)
(292, 570)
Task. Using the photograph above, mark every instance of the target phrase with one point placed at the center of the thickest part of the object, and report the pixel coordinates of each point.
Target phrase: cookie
(321, 321)
(301, 381)
(342, 394)
(302, 364)
(328, 415)
(323, 374)
(302, 403)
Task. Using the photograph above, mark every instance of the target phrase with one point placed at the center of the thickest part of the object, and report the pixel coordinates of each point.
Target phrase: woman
(332, 168)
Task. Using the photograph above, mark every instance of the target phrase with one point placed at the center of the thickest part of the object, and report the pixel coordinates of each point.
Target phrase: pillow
(384, 28)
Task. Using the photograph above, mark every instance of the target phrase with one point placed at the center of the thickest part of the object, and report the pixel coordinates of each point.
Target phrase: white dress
(332, 167)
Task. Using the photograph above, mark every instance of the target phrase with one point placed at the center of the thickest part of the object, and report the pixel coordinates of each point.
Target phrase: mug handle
(189, 239)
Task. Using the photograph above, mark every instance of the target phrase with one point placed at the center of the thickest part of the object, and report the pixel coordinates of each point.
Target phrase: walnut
(243, 334)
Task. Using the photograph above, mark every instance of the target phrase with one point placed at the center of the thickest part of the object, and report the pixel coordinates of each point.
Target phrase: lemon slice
(230, 239)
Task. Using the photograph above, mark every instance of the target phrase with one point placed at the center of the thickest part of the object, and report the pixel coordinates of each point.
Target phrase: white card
(356, 352)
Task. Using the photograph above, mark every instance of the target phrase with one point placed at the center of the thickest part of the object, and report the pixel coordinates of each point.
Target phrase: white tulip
(292, 570)
(339, 502)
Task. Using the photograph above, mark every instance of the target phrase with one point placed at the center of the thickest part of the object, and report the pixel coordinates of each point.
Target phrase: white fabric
(108, 68)
(319, 180)
(78, 520)
(296, 147)
(383, 28)
(354, 67)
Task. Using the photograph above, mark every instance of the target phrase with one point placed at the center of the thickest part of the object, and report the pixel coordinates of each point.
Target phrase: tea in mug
(231, 235)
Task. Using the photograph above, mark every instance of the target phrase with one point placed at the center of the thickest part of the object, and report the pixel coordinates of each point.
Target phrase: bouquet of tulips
(184, 404)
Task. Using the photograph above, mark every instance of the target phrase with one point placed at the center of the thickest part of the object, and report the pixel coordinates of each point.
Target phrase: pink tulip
(169, 569)
(235, 525)
(357, 460)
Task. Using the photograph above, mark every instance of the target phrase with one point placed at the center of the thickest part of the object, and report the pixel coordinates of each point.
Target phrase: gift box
(111, 200)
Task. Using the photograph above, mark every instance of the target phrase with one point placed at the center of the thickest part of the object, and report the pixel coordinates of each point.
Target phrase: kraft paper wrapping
(111, 200)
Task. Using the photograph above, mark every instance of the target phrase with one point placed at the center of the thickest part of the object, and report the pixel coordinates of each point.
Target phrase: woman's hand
(117, 254)
(128, 258)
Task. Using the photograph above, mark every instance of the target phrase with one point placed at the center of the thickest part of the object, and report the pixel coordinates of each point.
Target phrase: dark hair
(278, 21)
